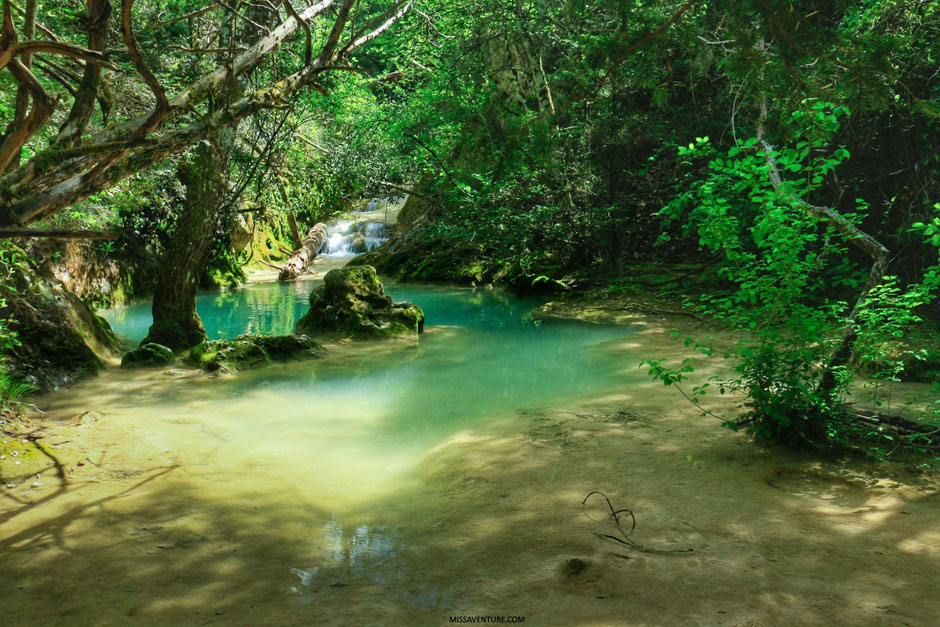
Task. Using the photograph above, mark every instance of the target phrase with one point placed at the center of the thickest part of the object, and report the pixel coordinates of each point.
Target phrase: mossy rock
(288, 347)
(60, 337)
(352, 303)
(249, 351)
(148, 356)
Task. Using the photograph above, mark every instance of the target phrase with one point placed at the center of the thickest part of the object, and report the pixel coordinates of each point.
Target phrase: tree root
(917, 434)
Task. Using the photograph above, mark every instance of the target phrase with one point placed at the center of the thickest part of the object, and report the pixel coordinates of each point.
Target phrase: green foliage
(12, 261)
(786, 268)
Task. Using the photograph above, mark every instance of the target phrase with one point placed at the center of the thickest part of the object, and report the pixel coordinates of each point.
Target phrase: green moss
(352, 303)
(175, 335)
(148, 356)
(250, 351)
(223, 279)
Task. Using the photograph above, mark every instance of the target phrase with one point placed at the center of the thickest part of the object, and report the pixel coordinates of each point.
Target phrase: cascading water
(347, 237)
(363, 232)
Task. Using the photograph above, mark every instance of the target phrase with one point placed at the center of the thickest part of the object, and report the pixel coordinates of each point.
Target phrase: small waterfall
(347, 237)
(363, 230)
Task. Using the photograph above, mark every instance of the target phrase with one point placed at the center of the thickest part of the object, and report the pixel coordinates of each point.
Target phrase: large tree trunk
(175, 321)
(298, 262)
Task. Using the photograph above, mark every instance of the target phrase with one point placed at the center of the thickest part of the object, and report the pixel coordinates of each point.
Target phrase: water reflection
(363, 554)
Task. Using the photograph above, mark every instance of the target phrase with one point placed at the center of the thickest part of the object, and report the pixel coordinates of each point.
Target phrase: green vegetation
(11, 389)
(785, 157)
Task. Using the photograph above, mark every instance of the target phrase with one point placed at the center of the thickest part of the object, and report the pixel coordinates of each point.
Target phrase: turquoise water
(483, 354)
(301, 484)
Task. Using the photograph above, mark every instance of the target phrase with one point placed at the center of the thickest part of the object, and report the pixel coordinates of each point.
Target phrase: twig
(616, 515)
(179, 19)
(691, 400)
(270, 265)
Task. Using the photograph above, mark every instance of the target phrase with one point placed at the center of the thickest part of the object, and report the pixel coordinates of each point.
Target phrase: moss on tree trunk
(175, 321)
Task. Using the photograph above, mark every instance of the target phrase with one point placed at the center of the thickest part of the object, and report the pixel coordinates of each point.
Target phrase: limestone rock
(352, 303)
(148, 356)
(242, 231)
(249, 351)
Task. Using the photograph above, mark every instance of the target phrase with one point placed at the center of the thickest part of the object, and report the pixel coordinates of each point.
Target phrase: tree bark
(298, 262)
(99, 14)
(22, 91)
(176, 324)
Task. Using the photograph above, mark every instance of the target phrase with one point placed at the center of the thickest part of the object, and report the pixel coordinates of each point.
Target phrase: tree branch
(55, 179)
(70, 133)
(291, 11)
(174, 20)
(842, 354)
(57, 233)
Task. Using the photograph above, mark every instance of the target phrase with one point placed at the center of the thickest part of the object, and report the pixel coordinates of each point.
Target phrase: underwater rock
(352, 303)
(252, 351)
(148, 356)
(573, 567)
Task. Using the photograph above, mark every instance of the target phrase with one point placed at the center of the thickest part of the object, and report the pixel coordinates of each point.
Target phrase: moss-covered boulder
(60, 339)
(148, 356)
(249, 351)
(352, 303)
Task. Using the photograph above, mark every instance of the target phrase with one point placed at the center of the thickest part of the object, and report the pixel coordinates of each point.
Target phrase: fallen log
(303, 256)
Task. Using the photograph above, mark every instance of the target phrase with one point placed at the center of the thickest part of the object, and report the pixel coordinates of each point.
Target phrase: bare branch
(23, 180)
(42, 108)
(66, 49)
(391, 16)
(54, 74)
(211, 7)
(70, 133)
(21, 104)
(46, 185)
(261, 28)
(133, 49)
(308, 54)
(207, 50)
(163, 103)
(57, 233)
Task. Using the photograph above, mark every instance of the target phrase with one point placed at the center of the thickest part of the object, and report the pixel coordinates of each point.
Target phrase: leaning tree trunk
(298, 262)
(175, 321)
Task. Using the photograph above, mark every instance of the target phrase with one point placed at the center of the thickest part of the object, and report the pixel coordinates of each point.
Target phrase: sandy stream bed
(485, 524)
